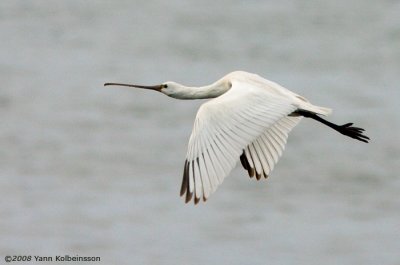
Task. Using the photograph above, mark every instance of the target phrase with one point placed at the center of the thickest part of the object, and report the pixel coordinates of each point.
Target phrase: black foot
(353, 132)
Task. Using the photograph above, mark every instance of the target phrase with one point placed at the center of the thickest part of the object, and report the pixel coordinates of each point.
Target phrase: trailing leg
(345, 129)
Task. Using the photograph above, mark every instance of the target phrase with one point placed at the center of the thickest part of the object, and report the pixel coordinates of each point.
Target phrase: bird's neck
(211, 91)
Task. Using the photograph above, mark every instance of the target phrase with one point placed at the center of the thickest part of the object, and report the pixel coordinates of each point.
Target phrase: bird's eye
(165, 86)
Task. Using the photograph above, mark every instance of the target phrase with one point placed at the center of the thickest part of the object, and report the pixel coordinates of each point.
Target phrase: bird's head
(168, 88)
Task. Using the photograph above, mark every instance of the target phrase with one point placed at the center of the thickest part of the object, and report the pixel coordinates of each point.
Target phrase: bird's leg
(345, 129)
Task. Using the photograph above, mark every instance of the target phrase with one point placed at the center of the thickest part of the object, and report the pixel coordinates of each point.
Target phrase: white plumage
(249, 120)
(251, 117)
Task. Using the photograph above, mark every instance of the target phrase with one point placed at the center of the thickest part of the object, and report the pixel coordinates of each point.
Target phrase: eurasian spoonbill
(249, 120)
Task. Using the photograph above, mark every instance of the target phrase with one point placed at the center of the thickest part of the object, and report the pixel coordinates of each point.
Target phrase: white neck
(211, 91)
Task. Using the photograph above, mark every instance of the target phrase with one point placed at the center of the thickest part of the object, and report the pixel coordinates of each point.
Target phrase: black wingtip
(185, 179)
(189, 196)
(244, 161)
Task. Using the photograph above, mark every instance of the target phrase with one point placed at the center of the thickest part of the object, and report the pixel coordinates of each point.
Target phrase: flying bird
(248, 119)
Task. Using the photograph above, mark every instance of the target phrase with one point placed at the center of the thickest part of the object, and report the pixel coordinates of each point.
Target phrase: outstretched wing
(260, 156)
(224, 127)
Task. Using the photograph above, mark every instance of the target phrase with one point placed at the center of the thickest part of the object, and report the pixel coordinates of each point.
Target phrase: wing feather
(262, 158)
(267, 155)
(198, 180)
(250, 161)
(217, 165)
(185, 179)
(190, 188)
(256, 161)
(220, 156)
(205, 177)
(272, 143)
(204, 170)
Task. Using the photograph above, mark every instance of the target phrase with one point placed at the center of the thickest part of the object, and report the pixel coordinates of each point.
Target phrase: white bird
(249, 120)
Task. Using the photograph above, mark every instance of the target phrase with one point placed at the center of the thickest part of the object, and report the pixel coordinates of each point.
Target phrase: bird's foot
(353, 132)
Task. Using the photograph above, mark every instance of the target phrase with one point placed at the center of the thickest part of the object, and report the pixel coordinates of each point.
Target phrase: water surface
(87, 170)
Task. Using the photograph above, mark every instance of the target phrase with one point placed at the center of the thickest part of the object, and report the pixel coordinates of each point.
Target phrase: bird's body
(248, 119)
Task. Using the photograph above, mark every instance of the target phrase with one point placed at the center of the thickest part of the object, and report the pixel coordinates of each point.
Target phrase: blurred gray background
(94, 171)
